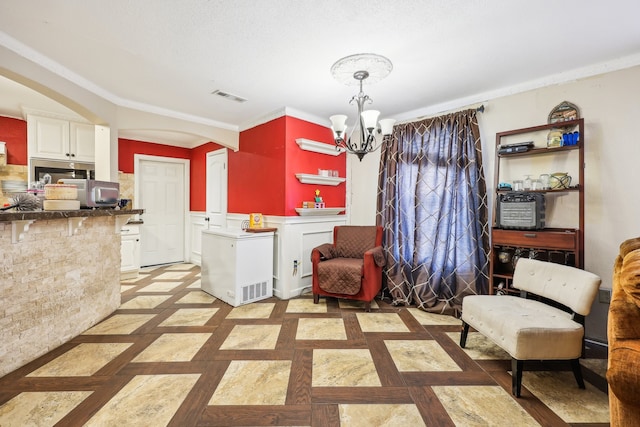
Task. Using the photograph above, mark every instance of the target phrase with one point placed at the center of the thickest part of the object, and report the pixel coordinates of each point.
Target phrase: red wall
(198, 164)
(14, 133)
(301, 161)
(262, 174)
(257, 170)
(198, 176)
(127, 148)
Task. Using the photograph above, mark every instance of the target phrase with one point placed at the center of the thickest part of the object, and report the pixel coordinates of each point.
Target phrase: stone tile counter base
(55, 286)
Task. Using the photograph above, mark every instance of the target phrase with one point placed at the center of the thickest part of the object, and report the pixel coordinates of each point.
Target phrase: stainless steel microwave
(59, 169)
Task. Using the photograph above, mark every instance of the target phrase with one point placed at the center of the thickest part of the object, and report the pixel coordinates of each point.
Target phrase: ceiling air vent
(228, 96)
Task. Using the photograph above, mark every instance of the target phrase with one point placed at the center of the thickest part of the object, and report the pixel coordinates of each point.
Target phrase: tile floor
(173, 355)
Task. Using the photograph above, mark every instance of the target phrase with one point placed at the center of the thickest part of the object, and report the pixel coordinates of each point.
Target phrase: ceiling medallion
(377, 66)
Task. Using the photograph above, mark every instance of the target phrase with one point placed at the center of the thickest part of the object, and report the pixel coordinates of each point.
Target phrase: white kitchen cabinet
(82, 142)
(52, 138)
(129, 251)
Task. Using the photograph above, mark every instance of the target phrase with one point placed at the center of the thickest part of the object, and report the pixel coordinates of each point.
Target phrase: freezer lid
(235, 233)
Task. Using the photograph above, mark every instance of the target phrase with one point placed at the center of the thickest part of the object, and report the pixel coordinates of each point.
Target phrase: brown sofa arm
(623, 379)
(623, 334)
(378, 256)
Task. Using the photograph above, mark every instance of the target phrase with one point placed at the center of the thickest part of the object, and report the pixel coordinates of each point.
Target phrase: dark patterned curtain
(432, 203)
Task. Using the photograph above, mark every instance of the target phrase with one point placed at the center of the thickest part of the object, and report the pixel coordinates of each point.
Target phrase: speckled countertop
(47, 215)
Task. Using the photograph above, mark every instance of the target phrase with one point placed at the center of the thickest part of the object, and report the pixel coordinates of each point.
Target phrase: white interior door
(217, 188)
(161, 189)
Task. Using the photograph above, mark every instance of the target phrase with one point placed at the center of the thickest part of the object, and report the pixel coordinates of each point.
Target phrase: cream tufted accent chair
(532, 328)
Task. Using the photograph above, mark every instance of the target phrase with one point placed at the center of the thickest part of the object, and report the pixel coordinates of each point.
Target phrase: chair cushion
(567, 285)
(524, 328)
(353, 241)
(340, 275)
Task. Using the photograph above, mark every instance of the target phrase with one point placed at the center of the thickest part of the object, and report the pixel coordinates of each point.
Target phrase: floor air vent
(254, 292)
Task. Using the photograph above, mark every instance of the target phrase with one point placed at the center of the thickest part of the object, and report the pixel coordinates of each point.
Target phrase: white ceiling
(169, 55)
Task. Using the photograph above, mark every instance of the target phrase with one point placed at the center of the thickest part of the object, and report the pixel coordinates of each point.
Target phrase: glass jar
(544, 179)
(536, 184)
(518, 185)
(527, 182)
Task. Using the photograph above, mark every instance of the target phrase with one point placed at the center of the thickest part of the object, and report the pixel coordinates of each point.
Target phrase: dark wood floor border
(447, 378)
(386, 368)
(195, 403)
(79, 415)
(252, 355)
(279, 310)
(210, 348)
(13, 376)
(332, 344)
(412, 323)
(455, 352)
(529, 402)
(165, 368)
(430, 407)
(352, 327)
(355, 395)
(325, 415)
(299, 388)
(140, 344)
(390, 336)
(39, 384)
(287, 336)
(297, 415)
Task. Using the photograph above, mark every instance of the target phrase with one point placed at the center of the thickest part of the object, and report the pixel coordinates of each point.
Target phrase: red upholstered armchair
(351, 266)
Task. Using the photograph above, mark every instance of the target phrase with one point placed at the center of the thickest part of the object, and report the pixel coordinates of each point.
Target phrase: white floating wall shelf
(319, 147)
(307, 178)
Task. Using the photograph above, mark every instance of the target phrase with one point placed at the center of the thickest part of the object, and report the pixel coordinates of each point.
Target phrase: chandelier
(370, 134)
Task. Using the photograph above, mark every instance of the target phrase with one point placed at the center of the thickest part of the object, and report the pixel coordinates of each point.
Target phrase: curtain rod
(479, 109)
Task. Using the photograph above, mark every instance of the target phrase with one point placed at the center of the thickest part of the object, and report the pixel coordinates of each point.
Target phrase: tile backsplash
(11, 173)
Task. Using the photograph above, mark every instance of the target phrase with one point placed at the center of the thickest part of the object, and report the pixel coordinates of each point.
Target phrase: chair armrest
(323, 252)
(377, 254)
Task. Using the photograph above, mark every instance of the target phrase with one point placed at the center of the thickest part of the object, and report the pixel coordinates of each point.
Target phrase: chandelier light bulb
(338, 123)
(386, 126)
(370, 119)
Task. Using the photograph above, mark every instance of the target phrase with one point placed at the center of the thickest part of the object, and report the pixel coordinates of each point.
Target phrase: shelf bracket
(19, 229)
(75, 224)
(120, 221)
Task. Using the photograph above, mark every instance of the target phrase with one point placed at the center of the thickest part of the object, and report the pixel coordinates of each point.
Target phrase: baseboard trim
(598, 343)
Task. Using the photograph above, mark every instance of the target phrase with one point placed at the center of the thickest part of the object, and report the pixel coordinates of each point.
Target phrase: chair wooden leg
(463, 334)
(577, 372)
(516, 377)
(316, 298)
(367, 306)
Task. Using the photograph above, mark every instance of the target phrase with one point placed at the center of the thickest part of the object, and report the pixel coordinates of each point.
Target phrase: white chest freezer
(237, 266)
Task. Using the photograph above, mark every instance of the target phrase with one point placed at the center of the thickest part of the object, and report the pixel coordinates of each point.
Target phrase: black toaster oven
(520, 211)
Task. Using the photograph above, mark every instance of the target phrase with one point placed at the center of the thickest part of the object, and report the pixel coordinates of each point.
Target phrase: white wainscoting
(294, 240)
(197, 224)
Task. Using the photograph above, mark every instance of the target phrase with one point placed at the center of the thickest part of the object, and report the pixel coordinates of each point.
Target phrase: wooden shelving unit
(562, 245)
